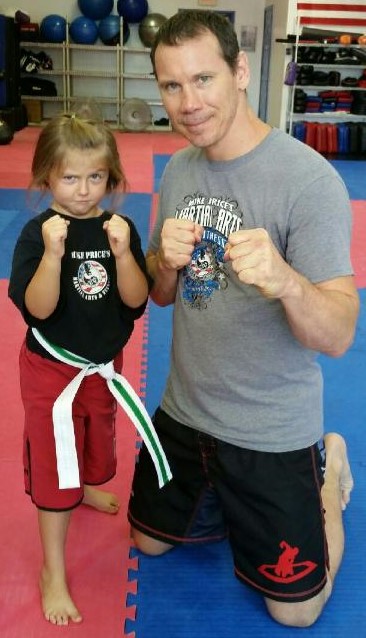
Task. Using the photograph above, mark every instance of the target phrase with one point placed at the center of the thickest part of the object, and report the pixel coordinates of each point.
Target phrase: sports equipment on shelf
(132, 10)
(96, 9)
(149, 27)
(109, 30)
(135, 114)
(83, 30)
(53, 28)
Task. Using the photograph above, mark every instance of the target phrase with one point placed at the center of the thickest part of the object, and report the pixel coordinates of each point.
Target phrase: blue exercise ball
(132, 10)
(53, 28)
(109, 30)
(96, 9)
(83, 30)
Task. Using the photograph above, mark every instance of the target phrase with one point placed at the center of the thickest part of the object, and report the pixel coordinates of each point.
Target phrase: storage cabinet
(138, 80)
(333, 75)
(94, 71)
(40, 106)
(107, 74)
(327, 97)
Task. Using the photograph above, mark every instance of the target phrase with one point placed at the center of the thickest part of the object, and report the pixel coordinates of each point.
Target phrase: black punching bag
(9, 62)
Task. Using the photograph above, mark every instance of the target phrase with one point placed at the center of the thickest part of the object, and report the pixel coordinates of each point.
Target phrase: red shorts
(93, 411)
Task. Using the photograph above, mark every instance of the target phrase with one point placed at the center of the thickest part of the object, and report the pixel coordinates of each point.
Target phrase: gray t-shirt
(237, 372)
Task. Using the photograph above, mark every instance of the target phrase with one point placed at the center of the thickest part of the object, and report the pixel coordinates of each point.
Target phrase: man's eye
(204, 79)
(172, 87)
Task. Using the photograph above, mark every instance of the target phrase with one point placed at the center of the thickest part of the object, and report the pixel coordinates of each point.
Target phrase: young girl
(79, 279)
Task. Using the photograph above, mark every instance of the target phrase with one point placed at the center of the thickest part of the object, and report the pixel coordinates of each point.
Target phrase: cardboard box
(34, 110)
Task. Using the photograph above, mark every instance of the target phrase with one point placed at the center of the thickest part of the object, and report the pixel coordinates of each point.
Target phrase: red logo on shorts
(286, 570)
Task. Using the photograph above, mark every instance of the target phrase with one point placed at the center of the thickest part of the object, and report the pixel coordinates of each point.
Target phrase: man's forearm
(323, 316)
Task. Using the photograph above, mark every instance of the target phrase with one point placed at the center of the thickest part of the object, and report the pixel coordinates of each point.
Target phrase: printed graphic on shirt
(91, 281)
(207, 271)
(286, 570)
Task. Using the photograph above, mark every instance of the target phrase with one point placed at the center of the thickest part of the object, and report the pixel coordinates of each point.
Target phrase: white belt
(67, 461)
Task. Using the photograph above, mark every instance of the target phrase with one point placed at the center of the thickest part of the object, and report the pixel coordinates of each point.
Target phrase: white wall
(277, 96)
(248, 13)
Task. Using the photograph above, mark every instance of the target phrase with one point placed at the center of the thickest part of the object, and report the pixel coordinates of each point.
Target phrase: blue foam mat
(160, 162)
(14, 213)
(191, 592)
(160, 331)
(353, 173)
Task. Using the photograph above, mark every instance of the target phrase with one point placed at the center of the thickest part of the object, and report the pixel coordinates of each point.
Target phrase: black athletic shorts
(268, 504)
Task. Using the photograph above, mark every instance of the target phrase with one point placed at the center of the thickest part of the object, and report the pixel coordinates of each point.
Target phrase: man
(252, 246)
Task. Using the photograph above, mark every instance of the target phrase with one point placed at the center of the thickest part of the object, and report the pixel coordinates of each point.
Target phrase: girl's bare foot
(337, 460)
(57, 605)
(100, 500)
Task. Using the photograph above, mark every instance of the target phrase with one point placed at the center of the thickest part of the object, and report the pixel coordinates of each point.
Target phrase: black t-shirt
(90, 318)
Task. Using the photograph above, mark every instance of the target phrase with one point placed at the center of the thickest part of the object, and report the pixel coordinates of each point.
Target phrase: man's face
(200, 93)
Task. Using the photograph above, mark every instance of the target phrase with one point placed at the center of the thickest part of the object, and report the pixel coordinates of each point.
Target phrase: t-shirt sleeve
(27, 255)
(320, 226)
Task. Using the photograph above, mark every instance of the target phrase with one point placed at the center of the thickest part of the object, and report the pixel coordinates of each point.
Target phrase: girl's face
(79, 184)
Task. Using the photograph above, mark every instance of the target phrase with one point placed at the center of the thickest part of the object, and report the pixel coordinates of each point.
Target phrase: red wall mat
(359, 242)
(98, 547)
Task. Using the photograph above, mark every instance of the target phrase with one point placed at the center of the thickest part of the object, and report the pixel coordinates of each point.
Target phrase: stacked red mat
(327, 138)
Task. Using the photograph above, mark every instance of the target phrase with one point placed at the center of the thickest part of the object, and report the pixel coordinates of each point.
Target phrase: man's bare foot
(57, 605)
(100, 500)
(336, 459)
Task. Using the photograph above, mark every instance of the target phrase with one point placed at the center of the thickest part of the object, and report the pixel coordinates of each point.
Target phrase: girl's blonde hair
(75, 132)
